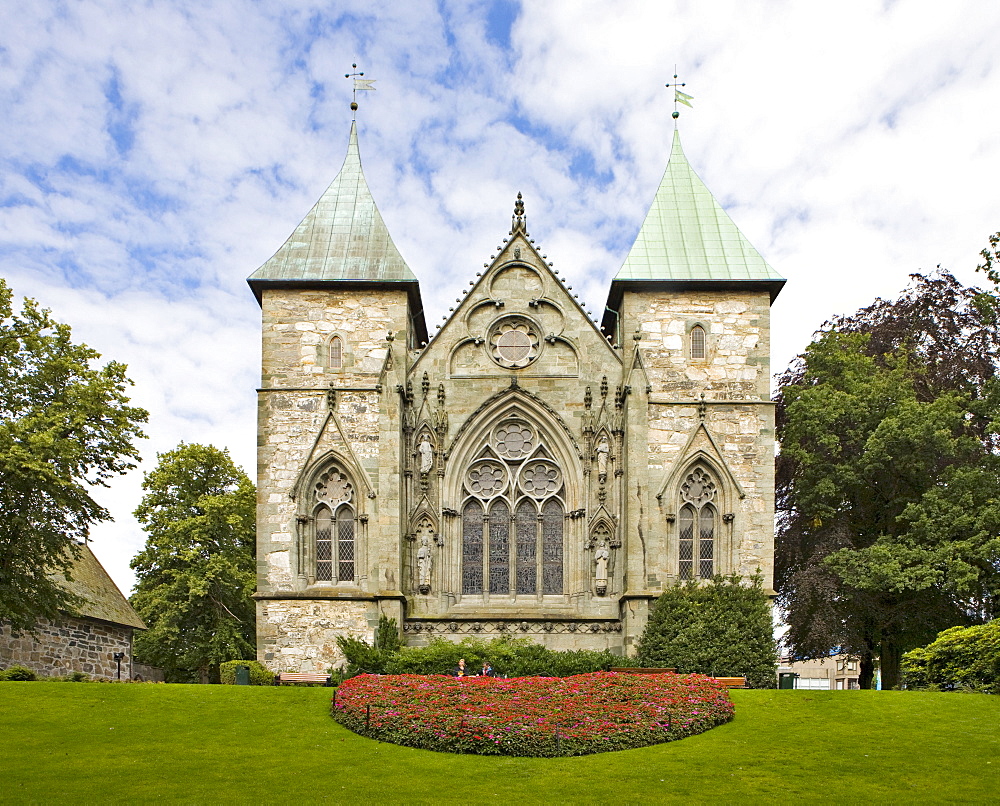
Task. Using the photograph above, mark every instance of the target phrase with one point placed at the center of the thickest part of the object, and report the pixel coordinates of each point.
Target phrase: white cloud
(157, 153)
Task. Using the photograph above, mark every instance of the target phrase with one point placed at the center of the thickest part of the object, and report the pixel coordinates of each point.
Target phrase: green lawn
(104, 743)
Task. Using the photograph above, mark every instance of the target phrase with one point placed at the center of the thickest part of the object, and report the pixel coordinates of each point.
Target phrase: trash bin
(242, 675)
(787, 679)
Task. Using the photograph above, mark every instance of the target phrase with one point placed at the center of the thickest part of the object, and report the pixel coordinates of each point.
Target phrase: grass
(88, 743)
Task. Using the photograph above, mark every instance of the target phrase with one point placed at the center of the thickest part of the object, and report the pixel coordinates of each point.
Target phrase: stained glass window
(552, 546)
(524, 555)
(526, 523)
(696, 527)
(500, 548)
(472, 548)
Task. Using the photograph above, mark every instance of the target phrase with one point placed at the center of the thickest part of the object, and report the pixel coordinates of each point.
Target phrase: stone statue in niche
(426, 453)
(424, 561)
(601, 558)
(603, 449)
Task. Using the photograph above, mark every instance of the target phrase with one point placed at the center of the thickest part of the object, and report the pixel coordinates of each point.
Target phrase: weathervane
(679, 97)
(362, 84)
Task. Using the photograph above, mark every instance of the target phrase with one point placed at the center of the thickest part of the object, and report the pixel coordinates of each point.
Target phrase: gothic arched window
(697, 338)
(697, 526)
(513, 518)
(333, 528)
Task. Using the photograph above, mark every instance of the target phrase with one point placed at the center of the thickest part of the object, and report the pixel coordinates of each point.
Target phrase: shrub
(260, 675)
(17, 672)
(510, 657)
(531, 716)
(721, 629)
(959, 658)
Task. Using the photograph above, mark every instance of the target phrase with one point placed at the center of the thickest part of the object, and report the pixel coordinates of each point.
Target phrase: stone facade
(622, 423)
(527, 472)
(70, 645)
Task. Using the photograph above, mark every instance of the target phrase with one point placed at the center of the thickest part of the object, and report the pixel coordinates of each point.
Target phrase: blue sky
(156, 153)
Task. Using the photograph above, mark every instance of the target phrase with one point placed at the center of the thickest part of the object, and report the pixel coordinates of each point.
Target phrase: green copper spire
(688, 237)
(343, 237)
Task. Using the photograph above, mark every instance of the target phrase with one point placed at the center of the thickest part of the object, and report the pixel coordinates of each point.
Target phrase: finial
(359, 84)
(518, 219)
(679, 97)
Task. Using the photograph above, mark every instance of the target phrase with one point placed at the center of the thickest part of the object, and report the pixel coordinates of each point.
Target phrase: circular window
(486, 478)
(514, 342)
(514, 439)
(540, 478)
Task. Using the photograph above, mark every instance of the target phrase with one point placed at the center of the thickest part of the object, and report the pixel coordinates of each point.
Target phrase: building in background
(838, 672)
(87, 640)
(526, 471)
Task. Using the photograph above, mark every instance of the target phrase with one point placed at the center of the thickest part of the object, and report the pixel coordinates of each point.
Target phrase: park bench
(303, 677)
(732, 682)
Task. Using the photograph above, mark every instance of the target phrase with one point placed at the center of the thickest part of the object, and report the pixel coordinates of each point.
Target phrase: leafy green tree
(66, 426)
(196, 575)
(960, 657)
(722, 629)
(887, 480)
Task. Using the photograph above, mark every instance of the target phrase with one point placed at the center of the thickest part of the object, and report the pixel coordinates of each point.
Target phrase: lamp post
(119, 657)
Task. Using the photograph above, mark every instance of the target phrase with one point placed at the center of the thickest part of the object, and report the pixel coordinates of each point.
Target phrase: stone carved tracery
(513, 516)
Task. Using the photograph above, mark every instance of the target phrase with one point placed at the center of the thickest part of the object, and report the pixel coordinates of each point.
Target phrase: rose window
(514, 343)
(333, 487)
(486, 479)
(698, 488)
(514, 440)
(539, 479)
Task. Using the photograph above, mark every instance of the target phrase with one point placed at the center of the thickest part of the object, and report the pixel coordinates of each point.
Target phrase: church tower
(690, 309)
(524, 472)
(340, 312)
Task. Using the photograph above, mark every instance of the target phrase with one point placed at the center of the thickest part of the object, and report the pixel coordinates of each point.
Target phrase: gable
(518, 316)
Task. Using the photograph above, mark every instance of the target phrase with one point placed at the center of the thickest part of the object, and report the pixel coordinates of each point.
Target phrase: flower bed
(531, 716)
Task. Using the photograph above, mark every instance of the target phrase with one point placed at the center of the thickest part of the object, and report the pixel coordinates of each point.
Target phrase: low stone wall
(69, 645)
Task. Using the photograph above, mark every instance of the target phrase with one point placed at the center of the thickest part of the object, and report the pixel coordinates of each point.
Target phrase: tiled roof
(101, 597)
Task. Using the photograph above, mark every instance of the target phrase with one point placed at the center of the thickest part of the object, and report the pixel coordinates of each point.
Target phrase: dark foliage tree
(887, 479)
(721, 629)
(65, 427)
(196, 575)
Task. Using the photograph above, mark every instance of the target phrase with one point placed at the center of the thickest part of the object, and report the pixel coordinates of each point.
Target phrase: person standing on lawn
(460, 669)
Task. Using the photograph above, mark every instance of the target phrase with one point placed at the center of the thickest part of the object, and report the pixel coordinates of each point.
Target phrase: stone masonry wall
(733, 380)
(69, 645)
(301, 636)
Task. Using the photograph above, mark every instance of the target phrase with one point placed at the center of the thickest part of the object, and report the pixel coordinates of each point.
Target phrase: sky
(155, 153)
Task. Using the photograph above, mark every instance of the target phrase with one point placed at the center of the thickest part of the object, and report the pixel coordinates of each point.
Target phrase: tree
(887, 480)
(720, 629)
(66, 426)
(196, 575)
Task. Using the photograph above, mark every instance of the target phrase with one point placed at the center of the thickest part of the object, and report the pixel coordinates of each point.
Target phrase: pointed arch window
(336, 353)
(334, 543)
(697, 526)
(513, 519)
(697, 339)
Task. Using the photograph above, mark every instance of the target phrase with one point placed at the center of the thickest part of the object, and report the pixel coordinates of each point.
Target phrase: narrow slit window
(697, 342)
(336, 353)
(706, 544)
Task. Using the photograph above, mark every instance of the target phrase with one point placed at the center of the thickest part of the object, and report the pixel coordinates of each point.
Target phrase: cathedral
(527, 471)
